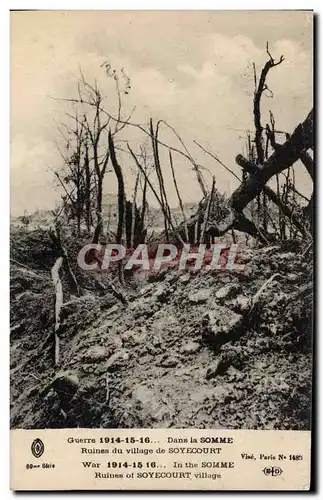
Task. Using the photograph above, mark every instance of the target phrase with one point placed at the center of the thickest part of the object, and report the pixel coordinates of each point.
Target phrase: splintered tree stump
(58, 305)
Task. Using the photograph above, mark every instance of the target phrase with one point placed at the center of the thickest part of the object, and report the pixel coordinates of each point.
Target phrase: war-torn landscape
(208, 348)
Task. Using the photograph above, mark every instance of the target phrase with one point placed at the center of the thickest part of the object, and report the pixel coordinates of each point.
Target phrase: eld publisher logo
(37, 448)
(272, 471)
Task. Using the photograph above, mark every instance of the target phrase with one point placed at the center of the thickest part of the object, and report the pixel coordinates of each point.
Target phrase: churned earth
(208, 349)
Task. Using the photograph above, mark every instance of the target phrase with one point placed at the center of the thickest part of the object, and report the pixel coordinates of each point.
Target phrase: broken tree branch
(251, 169)
(256, 102)
(207, 212)
(308, 163)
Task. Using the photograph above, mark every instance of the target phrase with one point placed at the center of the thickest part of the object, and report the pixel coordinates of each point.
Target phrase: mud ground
(190, 349)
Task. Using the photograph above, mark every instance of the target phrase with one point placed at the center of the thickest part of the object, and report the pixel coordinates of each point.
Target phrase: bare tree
(121, 201)
(87, 145)
(257, 172)
(71, 175)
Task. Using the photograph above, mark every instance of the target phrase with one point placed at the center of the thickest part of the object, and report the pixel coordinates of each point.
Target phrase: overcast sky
(193, 69)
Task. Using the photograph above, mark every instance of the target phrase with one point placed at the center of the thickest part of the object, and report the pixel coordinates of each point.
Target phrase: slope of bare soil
(203, 350)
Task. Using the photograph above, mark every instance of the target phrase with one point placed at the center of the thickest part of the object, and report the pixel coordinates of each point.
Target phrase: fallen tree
(257, 173)
(284, 156)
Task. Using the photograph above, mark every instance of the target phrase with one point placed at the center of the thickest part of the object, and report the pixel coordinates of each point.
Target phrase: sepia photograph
(161, 220)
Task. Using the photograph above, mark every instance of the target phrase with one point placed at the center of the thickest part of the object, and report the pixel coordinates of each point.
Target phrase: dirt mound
(225, 349)
(32, 248)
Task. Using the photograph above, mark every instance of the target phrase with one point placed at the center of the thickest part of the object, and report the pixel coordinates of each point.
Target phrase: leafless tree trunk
(88, 215)
(162, 191)
(180, 201)
(133, 211)
(207, 211)
(166, 213)
(58, 306)
(121, 201)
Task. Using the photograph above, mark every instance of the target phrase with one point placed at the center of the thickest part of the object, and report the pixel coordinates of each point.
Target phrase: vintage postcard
(162, 169)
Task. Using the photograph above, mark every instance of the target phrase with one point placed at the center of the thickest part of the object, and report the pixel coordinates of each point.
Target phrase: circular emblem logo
(37, 448)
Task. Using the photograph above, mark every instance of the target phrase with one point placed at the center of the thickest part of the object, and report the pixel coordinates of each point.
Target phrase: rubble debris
(183, 353)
